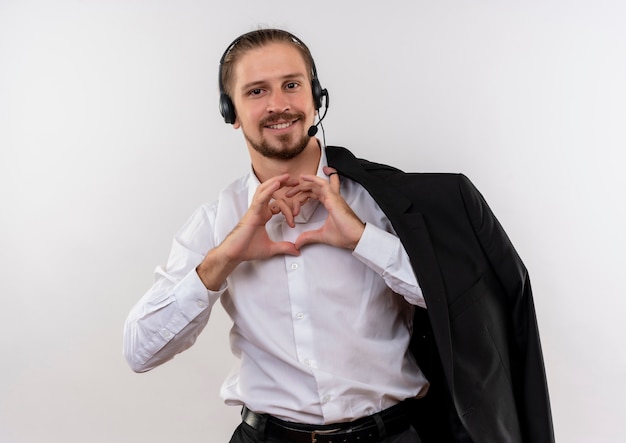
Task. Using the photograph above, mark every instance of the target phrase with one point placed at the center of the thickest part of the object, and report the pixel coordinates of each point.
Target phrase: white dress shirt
(321, 337)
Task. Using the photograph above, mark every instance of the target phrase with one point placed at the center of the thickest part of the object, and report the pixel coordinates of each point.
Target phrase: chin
(284, 152)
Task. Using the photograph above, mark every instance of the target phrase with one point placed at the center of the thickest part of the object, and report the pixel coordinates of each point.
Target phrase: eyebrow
(256, 83)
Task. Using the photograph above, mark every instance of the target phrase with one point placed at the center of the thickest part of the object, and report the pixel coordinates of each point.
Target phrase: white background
(110, 137)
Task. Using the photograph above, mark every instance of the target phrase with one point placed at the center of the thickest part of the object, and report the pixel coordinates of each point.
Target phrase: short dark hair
(257, 39)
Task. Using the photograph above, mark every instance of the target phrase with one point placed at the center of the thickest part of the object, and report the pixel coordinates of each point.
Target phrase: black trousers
(246, 434)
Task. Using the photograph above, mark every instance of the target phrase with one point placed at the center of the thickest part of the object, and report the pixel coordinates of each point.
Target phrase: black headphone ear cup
(318, 93)
(227, 109)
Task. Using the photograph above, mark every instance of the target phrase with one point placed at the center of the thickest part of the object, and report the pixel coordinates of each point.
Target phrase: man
(366, 303)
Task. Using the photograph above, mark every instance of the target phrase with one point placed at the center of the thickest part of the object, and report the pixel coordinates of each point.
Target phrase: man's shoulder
(388, 172)
(236, 188)
(232, 194)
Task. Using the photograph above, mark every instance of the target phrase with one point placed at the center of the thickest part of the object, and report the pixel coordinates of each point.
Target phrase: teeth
(280, 125)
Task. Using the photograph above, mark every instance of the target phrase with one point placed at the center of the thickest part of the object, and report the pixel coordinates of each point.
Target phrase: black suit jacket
(478, 342)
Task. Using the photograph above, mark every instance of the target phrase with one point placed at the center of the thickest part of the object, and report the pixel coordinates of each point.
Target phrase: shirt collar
(309, 207)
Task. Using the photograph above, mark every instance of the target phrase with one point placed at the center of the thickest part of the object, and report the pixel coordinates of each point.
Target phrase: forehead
(271, 61)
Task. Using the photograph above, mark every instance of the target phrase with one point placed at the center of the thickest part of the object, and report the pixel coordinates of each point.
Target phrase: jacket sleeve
(528, 372)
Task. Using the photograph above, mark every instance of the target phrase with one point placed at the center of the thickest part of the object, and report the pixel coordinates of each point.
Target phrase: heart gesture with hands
(342, 228)
(249, 239)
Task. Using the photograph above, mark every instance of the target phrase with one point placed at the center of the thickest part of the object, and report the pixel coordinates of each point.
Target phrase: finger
(333, 178)
(291, 182)
(293, 191)
(286, 210)
(295, 207)
(302, 186)
(265, 190)
(274, 207)
(306, 192)
(302, 197)
(329, 170)
(284, 248)
(309, 237)
(313, 184)
(332, 182)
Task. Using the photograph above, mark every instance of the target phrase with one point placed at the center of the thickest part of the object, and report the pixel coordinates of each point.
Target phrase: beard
(286, 147)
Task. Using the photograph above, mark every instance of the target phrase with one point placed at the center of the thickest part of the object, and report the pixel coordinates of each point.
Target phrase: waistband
(368, 429)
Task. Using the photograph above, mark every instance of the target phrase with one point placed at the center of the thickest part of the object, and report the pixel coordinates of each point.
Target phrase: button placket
(298, 295)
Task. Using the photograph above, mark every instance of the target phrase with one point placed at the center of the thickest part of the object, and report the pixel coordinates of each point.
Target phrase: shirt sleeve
(170, 316)
(383, 253)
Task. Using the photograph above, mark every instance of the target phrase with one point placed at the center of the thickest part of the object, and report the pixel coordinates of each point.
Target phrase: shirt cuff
(193, 297)
(376, 248)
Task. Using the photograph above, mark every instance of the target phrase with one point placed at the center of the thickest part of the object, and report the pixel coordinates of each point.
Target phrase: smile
(281, 125)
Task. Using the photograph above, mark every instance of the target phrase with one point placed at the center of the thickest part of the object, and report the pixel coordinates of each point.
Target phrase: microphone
(313, 129)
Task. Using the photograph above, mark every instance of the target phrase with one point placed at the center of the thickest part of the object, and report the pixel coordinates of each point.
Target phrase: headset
(227, 108)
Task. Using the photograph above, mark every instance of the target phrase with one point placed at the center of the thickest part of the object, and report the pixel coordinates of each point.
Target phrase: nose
(278, 101)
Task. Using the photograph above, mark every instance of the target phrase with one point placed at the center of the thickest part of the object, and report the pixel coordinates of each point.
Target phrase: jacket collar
(360, 171)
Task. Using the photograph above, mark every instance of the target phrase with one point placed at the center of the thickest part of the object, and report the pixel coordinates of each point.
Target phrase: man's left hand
(342, 228)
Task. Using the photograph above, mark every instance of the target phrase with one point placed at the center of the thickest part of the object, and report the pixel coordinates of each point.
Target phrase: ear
(236, 124)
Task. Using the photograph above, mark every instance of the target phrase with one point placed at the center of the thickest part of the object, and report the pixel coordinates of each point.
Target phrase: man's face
(273, 99)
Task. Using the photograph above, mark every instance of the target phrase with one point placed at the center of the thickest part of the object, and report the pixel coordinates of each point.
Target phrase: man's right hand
(249, 239)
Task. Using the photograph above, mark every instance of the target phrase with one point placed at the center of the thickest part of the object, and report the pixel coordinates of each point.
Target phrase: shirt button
(165, 333)
(201, 304)
(326, 399)
(294, 266)
(306, 362)
(299, 315)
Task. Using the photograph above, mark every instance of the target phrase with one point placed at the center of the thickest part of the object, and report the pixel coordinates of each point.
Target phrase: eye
(291, 85)
(255, 91)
